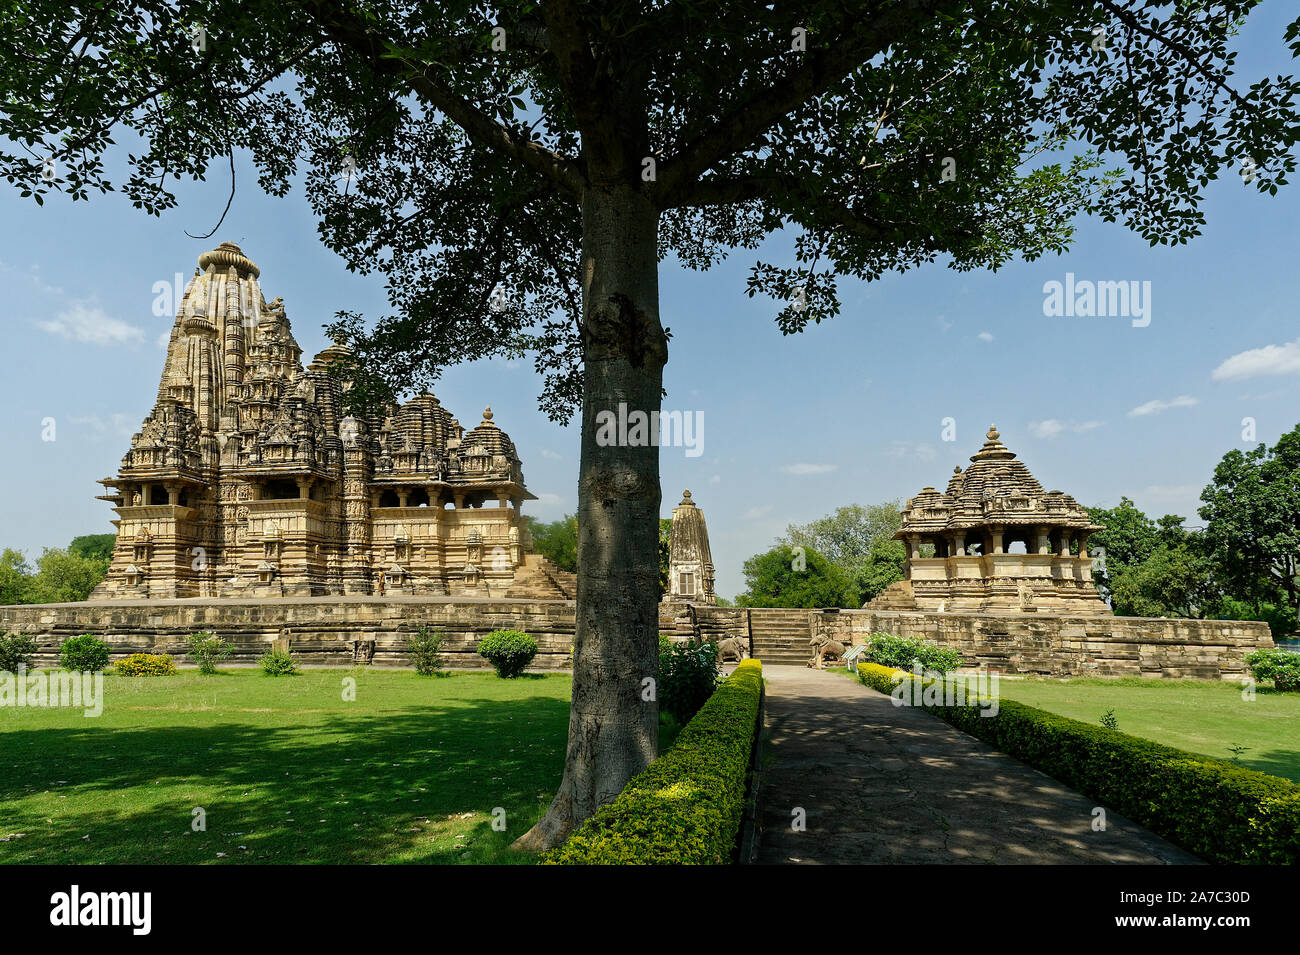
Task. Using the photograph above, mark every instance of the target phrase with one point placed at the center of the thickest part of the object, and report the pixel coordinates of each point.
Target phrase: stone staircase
(781, 636)
(897, 596)
(539, 579)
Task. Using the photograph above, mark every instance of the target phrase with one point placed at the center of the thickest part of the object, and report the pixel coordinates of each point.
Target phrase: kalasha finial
(686, 499)
(993, 433)
(487, 414)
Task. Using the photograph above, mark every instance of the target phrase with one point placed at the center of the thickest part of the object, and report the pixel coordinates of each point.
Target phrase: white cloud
(548, 506)
(550, 455)
(716, 479)
(754, 513)
(1051, 427)
(906, 449)
(1156, 406)
(1269, 360)
(91, 325)
(116, 424)
(803, 467)
(985, 336)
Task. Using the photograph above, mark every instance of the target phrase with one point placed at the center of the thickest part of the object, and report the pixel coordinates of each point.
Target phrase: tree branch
(353, 33)
(765, 104)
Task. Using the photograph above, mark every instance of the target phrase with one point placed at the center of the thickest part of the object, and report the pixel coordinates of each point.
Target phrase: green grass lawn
(1200, 717)
(286, 770)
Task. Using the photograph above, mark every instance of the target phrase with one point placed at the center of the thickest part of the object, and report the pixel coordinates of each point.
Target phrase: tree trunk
(613, 729)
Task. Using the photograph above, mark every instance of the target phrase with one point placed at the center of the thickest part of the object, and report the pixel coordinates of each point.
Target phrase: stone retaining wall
(320, 630)
(703, 622)
(1060, 645)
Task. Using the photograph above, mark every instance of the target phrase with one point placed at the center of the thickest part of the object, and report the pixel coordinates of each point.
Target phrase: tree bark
(613, 730)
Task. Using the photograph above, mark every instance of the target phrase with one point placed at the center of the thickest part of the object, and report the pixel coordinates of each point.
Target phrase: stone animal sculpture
(823, 647)
(731, 647)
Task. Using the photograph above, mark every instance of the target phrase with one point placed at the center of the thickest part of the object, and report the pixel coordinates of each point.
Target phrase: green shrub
(424, 648)
(509, 651)
(686, 807)
(16, 650)
(665, 643)
(85, 654)
(688, 675)
(206, 649)
(146, 664)
(277, 662)
(1219, 811)
(1280, 666)
(902, 652)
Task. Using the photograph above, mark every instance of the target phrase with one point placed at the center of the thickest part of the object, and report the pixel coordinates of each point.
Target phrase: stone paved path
(886, 784)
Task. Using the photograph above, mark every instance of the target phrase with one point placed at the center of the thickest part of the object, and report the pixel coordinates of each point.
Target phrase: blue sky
(851, 411)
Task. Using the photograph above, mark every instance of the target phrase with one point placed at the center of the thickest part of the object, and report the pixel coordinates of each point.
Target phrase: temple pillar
(996, 533)
(959, 544)
(304, 488)
(1066, 537)
(403, 495)
(460, 499)
(914, 546)
(1042, 544)
(173, 494)
(1083, 545)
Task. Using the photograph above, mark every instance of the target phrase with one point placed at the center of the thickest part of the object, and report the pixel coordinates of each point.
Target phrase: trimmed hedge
(686, 807)
(1220, 811)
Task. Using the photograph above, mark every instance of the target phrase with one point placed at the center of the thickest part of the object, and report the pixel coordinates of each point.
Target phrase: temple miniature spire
(690, 562)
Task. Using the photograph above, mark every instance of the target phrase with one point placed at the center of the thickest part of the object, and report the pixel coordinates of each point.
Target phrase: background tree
(94, 546)
(62, 576)
(557, 541)
(859, 541)
(1172, 582)
(846, 536)
(886, 563)
(555, 152)
(15, 578)
(1252, 514)
(789, 577)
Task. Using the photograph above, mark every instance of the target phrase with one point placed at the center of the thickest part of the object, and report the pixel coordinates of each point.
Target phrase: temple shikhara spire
(248, 478)
(690, 563)
(994, 540)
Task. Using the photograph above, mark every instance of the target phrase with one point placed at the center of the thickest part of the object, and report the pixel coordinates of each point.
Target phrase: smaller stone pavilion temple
(690, 563)
(999, 543)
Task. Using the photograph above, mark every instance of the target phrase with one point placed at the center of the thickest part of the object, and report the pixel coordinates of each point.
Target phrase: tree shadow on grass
(355, 789)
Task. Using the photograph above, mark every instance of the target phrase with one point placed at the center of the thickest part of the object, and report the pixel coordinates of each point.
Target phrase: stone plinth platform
(1065, 646)
(320, 630)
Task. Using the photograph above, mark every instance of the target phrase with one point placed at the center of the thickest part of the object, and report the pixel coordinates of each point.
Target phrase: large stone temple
(248, 479)
(995, 541)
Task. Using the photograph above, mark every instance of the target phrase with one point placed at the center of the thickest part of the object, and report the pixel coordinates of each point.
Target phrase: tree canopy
(788, 576)
(858, 540)
(1252, 514)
